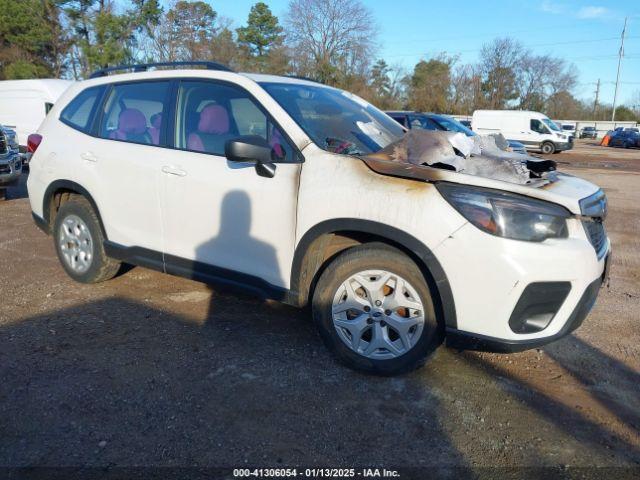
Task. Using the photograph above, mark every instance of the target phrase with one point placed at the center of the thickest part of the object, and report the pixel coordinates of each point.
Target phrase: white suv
(277, 185)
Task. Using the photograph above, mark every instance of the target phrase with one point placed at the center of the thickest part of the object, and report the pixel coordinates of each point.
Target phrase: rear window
(78, 112)
(134, 112)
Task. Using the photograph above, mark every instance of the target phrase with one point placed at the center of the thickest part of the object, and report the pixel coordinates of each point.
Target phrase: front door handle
(89, 157)
(171, 170)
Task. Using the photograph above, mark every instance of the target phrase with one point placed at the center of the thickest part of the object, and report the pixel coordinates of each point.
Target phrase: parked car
(588, 132)
(10, 160)
(569, 129)
(432, 121)
(626, 139)
(533, 129)
(282, 187)
(24, 104)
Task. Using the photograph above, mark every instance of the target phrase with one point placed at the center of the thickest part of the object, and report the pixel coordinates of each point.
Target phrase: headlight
(506, 214)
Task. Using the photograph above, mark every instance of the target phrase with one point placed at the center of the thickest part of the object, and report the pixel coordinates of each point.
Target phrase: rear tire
(548, 148)
(374, 311)
(79, 242)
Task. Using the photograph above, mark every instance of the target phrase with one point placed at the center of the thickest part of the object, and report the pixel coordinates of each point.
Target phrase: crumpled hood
(482, 155)
(549, 185)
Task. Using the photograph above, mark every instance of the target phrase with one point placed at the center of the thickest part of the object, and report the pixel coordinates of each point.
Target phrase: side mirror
(253, 149)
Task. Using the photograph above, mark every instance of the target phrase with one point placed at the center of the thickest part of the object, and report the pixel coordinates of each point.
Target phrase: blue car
(433, 121)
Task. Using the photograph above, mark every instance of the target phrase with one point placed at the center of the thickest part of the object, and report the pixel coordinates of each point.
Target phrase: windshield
(336, 121)
(453, 125)
(551, 125)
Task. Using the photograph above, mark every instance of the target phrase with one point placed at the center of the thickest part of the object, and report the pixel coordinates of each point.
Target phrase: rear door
(221, 219)
(127, 158)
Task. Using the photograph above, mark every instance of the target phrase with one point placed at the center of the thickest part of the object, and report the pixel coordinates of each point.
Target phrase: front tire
(374, 311)
(79, 243)
(548, 148)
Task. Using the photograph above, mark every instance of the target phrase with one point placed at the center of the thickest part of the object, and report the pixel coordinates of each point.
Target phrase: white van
(535, 130)
(24, 104)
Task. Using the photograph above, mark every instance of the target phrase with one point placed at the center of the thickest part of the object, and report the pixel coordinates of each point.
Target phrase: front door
(219, 217)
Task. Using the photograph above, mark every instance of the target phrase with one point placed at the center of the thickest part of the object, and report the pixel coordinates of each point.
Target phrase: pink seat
(276, 142)
(154, 129)
(132, 126)
(213, 128)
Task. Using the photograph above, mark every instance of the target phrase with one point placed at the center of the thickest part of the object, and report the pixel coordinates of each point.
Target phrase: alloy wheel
(378, 314)
(76, 243)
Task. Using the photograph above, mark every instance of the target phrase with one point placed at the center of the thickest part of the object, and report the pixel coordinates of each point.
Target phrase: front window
(423, 122)
(538, 127)
(552, 125)
(453, 125)
(335, 120)
(210, 114)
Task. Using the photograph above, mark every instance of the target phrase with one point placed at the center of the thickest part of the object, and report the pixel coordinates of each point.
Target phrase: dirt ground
(153, 370)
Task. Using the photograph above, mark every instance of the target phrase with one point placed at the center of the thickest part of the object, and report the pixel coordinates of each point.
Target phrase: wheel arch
(51, 202)
(322, 242)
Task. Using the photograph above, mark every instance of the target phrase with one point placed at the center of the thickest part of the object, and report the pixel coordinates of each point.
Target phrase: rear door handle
(171, 170)
(89, 157)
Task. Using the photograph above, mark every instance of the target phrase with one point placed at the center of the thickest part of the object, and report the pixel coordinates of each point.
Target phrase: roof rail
(300, 77)
(143, 67)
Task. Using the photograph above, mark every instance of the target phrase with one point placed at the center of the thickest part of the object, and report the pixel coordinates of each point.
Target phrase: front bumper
(563, 146)
(491, 276)
(10, 169)
(472, 341)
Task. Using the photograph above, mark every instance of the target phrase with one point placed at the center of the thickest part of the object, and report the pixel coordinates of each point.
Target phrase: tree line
(331, 41)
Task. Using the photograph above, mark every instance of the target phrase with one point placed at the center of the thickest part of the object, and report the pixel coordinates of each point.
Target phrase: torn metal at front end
(481, 155)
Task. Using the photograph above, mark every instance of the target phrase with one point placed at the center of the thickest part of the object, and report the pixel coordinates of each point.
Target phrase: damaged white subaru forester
(300, 192)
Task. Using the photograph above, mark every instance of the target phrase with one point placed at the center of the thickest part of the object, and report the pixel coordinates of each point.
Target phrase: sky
(586, 33)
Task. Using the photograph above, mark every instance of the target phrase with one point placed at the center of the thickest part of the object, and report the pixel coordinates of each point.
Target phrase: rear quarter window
(79, 112)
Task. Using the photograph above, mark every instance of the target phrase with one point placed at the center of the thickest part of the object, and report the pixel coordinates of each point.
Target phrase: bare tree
(499, 63)
(541, 78)
(329, 38)
(185, 32)
(466, 89)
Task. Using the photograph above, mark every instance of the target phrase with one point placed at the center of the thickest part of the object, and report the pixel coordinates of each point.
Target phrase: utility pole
(620, 55)
(595, 103)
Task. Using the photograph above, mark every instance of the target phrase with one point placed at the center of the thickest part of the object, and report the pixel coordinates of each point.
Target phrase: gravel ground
(153, 370)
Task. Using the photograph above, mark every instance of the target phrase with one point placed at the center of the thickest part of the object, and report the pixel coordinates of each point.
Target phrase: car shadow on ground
(561, 411)
(86, 385)
(614, 385)
(118, 382)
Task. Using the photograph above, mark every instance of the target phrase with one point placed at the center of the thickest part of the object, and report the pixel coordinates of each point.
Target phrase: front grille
(4, 147)
(4, 168)
(594, 208)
